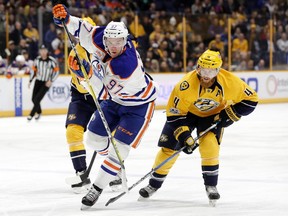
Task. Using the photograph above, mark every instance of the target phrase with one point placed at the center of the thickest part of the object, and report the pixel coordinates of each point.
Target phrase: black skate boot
(116, 185)
(37, 116)
(91, 197)
(147, 191)
(82, 186)
(212, 194)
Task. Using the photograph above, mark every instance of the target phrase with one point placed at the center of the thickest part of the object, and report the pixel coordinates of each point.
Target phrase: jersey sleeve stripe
(138, 99)
(147, 90)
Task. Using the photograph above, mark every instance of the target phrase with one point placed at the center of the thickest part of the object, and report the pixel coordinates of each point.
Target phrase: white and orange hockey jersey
(123, 77)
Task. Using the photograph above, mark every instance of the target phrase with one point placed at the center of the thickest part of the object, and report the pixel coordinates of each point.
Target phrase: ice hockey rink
(253, 178)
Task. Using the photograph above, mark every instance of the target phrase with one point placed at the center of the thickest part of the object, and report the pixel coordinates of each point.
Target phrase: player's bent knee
(123, 149)
(74, 133)
(96, 142)
(162, 155)
(74, 137)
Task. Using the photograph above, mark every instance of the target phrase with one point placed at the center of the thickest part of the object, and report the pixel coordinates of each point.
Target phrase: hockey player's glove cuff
(60, 14)
(227, 117)
(183, 136)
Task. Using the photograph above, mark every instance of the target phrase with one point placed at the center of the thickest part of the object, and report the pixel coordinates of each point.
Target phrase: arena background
(252, 36)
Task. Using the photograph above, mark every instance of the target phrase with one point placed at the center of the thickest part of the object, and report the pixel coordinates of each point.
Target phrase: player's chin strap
(110, 137)
(113, 199)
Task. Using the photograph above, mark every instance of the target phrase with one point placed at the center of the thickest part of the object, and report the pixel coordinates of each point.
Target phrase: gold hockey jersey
(228, 89)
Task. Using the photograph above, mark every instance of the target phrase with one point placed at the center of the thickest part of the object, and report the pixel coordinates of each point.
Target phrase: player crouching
(203, 97)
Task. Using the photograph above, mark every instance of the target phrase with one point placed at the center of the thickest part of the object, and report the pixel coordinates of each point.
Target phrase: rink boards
(15, 97)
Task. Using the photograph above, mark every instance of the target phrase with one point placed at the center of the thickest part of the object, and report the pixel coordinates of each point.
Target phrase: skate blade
(143, 199)
(212, 203)
(81, 190)
(116, 188)
(73, 180)
(85, 207)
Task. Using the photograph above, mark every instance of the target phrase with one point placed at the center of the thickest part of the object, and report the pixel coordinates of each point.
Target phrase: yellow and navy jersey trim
(189, 97)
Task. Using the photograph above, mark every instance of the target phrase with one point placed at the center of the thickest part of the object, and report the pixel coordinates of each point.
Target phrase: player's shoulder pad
(125, 64)
(184, 85)
(185, 82)
(98, 37)
(225, 76)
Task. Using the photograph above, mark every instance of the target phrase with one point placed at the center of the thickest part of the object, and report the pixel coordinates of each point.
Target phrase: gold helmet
(210, 59)
(89, 20)
(209, 64)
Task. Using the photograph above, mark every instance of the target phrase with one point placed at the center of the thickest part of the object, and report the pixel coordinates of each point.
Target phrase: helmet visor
(114, 42)
(208, 72)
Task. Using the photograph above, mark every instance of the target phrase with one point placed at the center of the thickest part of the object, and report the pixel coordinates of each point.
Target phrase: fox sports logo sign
(59, 92)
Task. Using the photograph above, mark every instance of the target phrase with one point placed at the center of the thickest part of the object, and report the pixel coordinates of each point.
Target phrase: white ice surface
(253, 178)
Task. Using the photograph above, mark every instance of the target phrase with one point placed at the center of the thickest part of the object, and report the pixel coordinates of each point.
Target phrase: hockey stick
(113, 199)
(78, 179)
(110, 137)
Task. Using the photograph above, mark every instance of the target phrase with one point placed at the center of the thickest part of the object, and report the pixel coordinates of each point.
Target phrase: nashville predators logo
(184, 85)
(163, 138)
(71, 117)
(204, 104)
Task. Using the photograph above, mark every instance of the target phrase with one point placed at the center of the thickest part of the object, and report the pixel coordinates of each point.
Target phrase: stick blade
(113, 199)
(73, 180)
(110, 201)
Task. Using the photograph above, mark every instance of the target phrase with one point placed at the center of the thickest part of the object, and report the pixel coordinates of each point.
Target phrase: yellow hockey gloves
(183, 136)
(227, 117)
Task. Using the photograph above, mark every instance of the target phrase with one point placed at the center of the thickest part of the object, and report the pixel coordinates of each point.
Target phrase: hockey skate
(212, 194)
(37, 116)
(116, 185)
(82, 186)
(147, 192)
(91, 197)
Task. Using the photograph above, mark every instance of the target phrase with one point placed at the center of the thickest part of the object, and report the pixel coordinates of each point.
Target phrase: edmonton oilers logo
(59, 92)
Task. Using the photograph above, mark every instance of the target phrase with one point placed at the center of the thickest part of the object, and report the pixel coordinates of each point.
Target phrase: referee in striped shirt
(46, 71)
